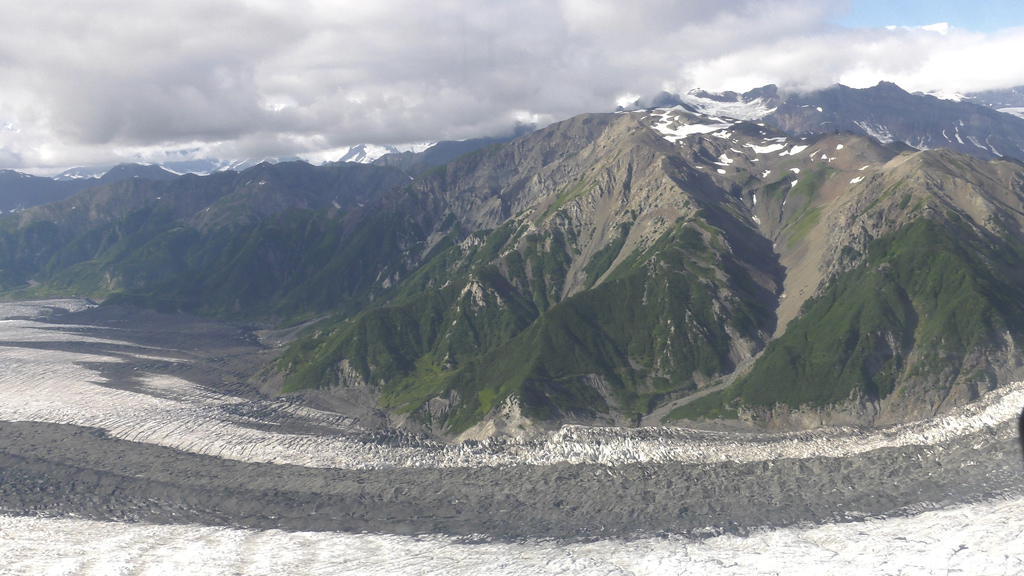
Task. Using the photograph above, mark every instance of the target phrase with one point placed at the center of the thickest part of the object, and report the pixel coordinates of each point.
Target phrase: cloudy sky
(107, 81)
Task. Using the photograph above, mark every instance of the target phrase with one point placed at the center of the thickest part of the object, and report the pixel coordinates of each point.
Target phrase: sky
(109, 81)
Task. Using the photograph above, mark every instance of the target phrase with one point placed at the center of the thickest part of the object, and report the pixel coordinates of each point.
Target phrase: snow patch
(857, 180)
(765, 149)
(976, 143)
(793, 151)
(880, 133)
(672, 128)
(1018, 112)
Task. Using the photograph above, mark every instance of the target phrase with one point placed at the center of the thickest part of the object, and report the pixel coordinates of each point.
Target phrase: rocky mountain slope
(638, 267)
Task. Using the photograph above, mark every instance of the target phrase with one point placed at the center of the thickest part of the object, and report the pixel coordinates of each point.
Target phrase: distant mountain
(752, 105)
(884, 112)
(367, 153)
(19, 191)
(889, 114)
(999, 99)
(175, 236)
(415, 163)
(126, 171)
(82, 173)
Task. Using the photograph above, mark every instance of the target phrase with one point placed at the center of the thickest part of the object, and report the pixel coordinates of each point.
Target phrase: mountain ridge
(594, 271)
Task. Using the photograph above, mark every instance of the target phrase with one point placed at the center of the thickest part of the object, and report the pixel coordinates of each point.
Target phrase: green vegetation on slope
(925, 299)
(655, 324)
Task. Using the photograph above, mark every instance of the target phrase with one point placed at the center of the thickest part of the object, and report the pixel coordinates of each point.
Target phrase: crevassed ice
(975, 539)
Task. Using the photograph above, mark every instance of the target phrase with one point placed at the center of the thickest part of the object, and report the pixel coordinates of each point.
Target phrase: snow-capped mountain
(985, 125)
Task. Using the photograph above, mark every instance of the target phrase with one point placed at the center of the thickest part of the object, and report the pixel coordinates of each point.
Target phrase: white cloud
(261, 77)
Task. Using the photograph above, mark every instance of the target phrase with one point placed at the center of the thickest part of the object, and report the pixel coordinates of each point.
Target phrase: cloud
(114, 79)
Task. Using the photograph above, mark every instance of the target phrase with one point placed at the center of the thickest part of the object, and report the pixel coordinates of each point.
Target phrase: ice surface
(977, 539)
(43, 383)
(756, 109)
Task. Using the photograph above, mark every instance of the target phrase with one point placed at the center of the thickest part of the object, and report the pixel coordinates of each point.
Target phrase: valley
(728, 332)
(99, 422)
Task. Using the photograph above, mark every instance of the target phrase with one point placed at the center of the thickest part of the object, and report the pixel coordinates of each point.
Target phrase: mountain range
(819, 259)
(971, 124)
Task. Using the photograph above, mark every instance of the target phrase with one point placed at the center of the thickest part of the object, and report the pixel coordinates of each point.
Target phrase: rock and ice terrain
(124, 450)
(979, 539)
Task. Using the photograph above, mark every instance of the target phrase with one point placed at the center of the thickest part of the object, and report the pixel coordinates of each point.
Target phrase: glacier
(53, 373)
